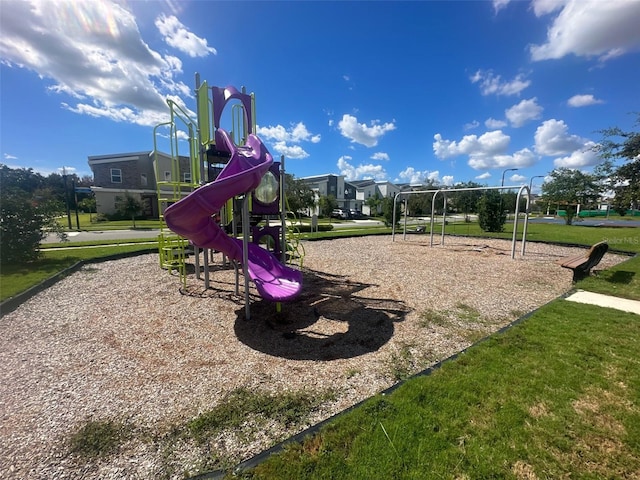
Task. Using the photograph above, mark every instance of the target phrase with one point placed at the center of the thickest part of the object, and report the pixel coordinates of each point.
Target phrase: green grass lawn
(622, 280)
(88, 223)
(619, 238)
(554, 397)
(17, 278)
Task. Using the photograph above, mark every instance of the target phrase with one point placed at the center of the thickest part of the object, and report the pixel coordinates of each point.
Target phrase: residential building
(388, 189)
(134, 174)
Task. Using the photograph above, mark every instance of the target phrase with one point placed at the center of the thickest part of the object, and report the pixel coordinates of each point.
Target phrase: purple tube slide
(191, 217)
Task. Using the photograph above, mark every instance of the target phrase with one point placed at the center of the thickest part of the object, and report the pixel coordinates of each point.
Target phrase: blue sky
(400, 91)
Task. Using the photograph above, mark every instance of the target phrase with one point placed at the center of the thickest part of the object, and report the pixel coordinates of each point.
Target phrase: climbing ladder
(176, 176)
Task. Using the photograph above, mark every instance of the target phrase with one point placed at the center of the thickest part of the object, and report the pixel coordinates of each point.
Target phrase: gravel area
(123, 342)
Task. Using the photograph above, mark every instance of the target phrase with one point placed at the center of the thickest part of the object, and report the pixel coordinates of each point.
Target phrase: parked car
(355, 213)
(339, 213)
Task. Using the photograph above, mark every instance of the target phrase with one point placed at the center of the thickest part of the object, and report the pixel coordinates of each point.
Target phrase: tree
(491, 214)
(24, 218)
(623, 180)
(373, 202)
(387, 210)
(129, 207)
(466, 202)
(570, 188)
(419, 204)
(299, 195)
(327, 204)
(509, 201)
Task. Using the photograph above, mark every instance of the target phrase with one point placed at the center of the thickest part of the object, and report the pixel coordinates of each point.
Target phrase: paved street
(114, 235)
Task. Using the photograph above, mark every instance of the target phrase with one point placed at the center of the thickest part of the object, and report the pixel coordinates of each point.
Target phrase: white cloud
(492, 84)
(483, 176)
(515, 178)
(485, 152)
(179, 37)
(94, 53)
(524, 111)
(585, 157)
(295, 133)
(290, 151)
(471, 125)
(380, 156)
(415, 177)
(489, 143)
(361, 133)
(544, 7)
(361, 172)
(520, 159)
(447, 180)
(500, 4)
(282, 139)
(588, 28)
(552, 139)
(8, 156)
(493, 124)
(583, 101)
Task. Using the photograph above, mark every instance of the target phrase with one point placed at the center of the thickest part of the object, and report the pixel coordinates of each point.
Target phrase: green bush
(491, 213)
(23, 225)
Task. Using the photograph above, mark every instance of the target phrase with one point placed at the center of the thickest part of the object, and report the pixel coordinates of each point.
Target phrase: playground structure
(226, 196)
(444, 192)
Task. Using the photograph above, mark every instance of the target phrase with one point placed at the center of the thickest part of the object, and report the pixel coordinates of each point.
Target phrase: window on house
(167, 176)
(116, 175)
(187, 177)
(143, 179)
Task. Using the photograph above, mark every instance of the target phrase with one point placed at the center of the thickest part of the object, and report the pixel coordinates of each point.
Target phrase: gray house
(135, 174)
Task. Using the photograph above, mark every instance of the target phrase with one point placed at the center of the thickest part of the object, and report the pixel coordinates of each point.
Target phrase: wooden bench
(583, 263)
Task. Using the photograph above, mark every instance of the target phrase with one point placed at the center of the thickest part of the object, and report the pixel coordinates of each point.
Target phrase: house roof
(319, 177)
(362, 183)
(119, 157)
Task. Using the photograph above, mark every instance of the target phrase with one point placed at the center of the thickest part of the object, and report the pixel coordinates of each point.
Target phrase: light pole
(505, 171)
(531, 181)
(66, 195)
(502, 185)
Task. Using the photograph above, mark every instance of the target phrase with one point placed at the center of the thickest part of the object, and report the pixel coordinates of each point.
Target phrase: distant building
(134, 174)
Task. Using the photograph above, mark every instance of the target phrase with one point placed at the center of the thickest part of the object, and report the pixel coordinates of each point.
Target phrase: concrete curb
(606, 301)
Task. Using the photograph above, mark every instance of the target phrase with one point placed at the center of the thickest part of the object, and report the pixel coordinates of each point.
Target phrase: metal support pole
(196, 254)
(433, 211)
(66, 195)
(444, 216)
(75, 196)
(393, 219)
(405, 218)
(515, 221)
(283, 212)
(245, 254)
(201, 175)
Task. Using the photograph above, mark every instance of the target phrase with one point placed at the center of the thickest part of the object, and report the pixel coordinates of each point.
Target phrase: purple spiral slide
(191, 217)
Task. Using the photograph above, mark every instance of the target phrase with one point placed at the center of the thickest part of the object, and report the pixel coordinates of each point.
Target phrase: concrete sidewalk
(632, 306)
